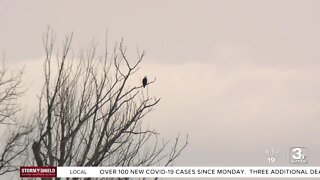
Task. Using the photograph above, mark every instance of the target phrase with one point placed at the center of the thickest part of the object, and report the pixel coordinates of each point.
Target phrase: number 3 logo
(297, 153)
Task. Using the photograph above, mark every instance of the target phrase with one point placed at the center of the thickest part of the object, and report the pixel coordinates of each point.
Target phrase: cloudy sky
(237, 76)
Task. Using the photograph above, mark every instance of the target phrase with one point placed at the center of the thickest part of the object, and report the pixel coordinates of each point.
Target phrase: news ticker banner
(171, 172)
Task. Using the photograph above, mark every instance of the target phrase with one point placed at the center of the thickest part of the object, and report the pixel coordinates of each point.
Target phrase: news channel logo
(299, 155)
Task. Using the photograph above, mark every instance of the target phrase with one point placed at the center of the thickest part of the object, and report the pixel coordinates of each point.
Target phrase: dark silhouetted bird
(144, 81)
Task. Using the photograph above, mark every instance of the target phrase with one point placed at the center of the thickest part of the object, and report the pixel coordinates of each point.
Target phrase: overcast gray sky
(237, 76)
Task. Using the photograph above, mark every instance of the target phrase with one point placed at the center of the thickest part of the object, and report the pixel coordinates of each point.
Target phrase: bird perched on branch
(144, 81)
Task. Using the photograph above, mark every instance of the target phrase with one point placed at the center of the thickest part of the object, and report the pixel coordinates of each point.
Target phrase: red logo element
(38, 171)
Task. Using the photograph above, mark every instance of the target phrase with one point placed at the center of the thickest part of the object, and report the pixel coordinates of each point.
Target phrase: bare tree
(91, 115)
(10, 91)
(14, 147)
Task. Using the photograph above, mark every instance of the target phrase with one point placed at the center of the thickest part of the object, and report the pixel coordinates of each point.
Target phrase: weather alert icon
(299, 155)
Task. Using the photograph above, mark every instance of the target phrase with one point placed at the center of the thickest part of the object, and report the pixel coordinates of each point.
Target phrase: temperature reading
(272, 154)
(271, 160)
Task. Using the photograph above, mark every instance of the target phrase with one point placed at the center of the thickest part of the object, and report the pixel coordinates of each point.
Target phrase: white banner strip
(191, 172)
